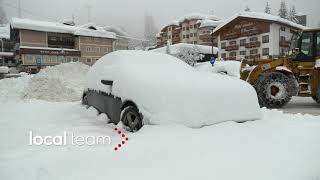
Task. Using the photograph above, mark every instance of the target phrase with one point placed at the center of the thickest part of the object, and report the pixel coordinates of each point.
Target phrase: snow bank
(63, 82)
(231, 68)
(168, 90)
(4, 70)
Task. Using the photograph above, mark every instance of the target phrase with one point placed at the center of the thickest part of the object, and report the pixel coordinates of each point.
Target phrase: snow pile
(209, 23)
(63, 82)
(168, 90)
(4, 70)
(11, 89)
(231, 68)
(260, 15)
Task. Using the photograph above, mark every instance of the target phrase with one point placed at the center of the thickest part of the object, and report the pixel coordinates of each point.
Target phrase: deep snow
(279, 146)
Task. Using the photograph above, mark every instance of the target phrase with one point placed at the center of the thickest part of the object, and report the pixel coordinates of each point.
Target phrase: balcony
(176, 39)
(176, 31)
(253, 56)
(205, 37)
(253, 44)
(284, 43)
(232, 47)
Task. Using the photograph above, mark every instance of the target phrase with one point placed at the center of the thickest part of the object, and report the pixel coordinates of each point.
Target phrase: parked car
(138, 87)
(4, 73)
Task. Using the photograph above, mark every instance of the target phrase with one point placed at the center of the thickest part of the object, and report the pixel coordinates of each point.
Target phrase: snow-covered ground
(279, 146)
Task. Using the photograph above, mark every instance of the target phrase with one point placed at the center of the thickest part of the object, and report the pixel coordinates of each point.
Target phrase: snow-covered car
(138, 87)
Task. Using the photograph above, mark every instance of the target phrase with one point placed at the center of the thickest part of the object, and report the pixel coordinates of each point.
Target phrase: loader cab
(305, 47)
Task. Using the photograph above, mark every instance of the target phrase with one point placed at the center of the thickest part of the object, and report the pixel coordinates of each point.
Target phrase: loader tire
(317, 97)
(274, 89)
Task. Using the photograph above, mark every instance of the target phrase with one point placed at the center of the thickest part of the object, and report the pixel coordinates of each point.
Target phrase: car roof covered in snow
(175, 48)
(262, 16)
(46, 26)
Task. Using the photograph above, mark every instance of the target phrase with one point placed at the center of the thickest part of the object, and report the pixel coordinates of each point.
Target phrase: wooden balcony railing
(284, 43)
(232, 47)
(253, 44)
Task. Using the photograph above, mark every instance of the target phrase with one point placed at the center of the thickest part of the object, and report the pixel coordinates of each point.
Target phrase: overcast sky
(130, 13)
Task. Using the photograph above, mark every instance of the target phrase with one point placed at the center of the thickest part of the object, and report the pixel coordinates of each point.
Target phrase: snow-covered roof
(175, 48)
(209, 23)
(259, 15)
(195, 16)
(5, 31)
(116, 30)
(84, 30)
(47, 48)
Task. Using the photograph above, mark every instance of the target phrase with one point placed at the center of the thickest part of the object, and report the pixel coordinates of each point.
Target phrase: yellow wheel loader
(298, 74)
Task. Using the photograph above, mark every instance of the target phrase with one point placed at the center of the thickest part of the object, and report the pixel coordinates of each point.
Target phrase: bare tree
(293, 14)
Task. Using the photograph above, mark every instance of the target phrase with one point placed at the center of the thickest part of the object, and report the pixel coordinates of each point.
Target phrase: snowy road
(303, 105)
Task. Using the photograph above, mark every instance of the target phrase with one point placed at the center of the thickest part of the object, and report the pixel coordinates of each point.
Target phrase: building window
(195, 34)
(187, 28)
(88, 60)
(169, 28)
(282, 38)
(243, 42)
(243, 53)
(61, 59)
(75, 59)
(254, 51)
(68, 59)
(223, 55)
(233, 54)
(253, 39)
(183, 28)
(265, 39)
(106, 50)
(187, 35)
(191, 35)
(54, 59)
(195, 42)
(232, 42)
(46, 59)
(97, 49)
(88, 49)
(184, 36)
(282, 28)
(29, 58)
(265, 52)
(191, 26)
(223, 45)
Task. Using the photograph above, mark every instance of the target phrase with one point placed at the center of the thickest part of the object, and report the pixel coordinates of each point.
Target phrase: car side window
(306, 44)
(318, 44)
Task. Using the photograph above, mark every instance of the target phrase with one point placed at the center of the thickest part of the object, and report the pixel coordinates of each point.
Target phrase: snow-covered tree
(283, 12)
(247, 9)
(3, 16)
(189, 55)
(293, 14)
(267, 8)
(150, 30)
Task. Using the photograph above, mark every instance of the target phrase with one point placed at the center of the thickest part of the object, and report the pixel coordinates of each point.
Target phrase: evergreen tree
(293, 14)
(267, 8)
(3, 16)
(283, 12)
(247, 9)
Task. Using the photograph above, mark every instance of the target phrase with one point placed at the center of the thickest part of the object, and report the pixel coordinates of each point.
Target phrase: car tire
(85, 99)
(274, 90)
(131, 118)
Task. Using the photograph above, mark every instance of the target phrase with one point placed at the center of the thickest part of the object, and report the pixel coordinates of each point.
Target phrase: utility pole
(19, 9)
(89, 11)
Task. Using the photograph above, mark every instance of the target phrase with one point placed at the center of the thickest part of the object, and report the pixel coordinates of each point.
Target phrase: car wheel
(131, 118)
(85, 99)
(274, 90)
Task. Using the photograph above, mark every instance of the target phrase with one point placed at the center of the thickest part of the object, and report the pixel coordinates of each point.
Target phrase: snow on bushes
(167, 90)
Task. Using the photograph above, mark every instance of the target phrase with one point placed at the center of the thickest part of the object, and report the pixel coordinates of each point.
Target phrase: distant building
(39, 43)
(253, 36)
(192, 29)
(122, 41)
(6, 51)
(302, 19)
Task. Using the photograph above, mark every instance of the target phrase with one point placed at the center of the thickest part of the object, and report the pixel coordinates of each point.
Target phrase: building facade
(191, 29)
(39, 44)
(254, 36)
(7, 47)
